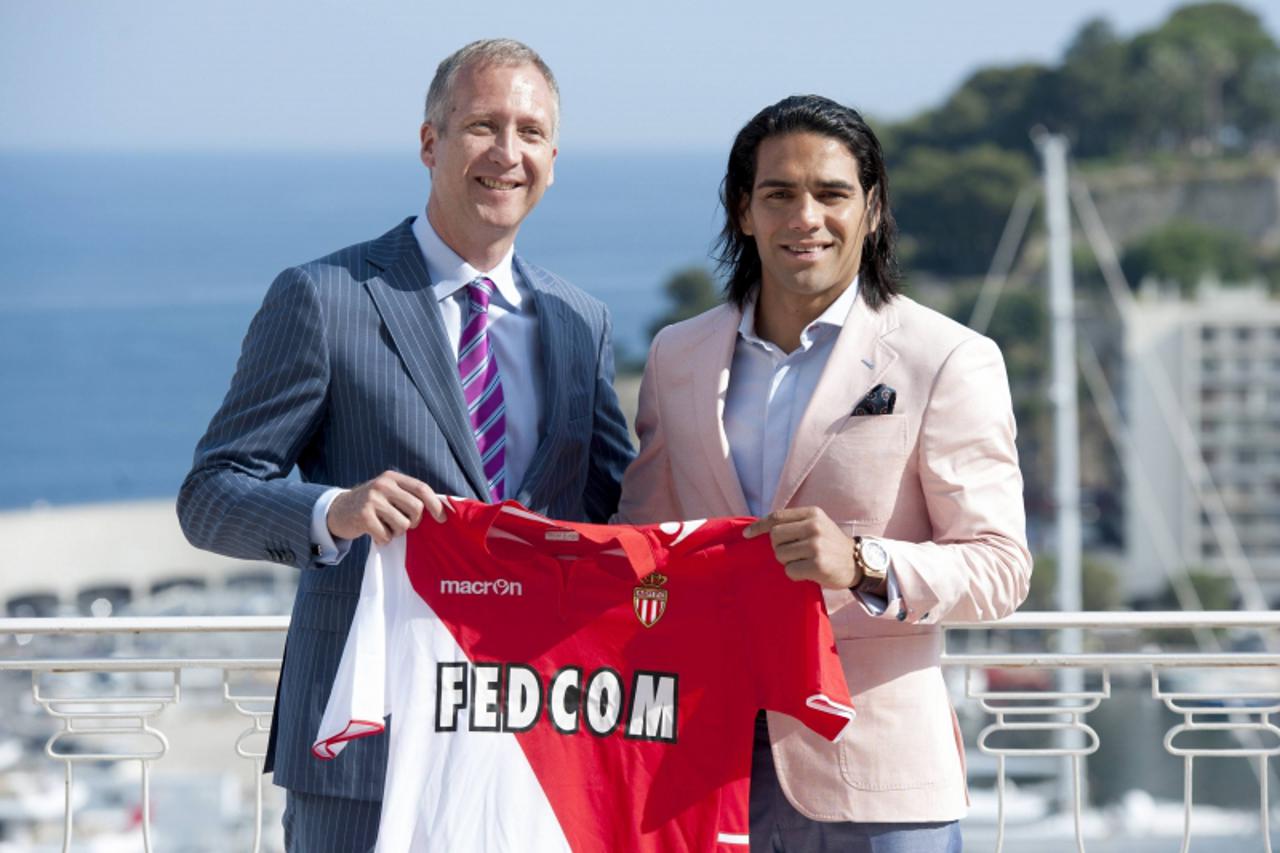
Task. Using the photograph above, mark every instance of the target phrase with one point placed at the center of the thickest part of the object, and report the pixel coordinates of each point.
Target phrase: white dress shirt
(515, 342)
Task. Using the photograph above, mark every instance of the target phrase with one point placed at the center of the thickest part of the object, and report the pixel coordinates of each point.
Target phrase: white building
(1220, 353)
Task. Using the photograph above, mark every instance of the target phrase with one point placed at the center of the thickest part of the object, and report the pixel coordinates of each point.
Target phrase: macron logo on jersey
(501, 586)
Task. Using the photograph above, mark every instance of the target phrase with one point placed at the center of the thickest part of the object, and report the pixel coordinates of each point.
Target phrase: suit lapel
(408, 308)
(857, 361)
(557, 360)
(710, 361)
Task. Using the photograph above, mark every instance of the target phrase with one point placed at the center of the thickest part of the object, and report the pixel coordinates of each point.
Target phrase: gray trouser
(776, 826)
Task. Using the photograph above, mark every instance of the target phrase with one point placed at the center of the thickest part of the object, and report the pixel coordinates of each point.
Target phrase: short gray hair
(479, 54)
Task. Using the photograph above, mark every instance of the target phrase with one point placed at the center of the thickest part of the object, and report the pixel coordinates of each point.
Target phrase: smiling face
(491, 160)
(809, 217)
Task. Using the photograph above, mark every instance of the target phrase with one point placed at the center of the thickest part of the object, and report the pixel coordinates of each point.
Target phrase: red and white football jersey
(559, 686)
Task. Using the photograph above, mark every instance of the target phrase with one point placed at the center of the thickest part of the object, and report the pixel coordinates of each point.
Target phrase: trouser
(776, 826)
(317, 824)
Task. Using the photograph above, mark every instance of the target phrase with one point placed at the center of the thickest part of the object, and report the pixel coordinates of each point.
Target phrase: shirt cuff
(878, 604)
(328, 551)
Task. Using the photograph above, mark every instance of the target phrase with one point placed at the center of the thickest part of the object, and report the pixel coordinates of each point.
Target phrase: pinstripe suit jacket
(346, 371)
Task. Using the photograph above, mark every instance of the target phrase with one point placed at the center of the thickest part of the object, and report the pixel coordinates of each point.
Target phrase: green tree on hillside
(1199, 74)
(1207, 78)
(689, 292)
(952, 206)
(1184, 252)
(994, 106)
(1089, 97)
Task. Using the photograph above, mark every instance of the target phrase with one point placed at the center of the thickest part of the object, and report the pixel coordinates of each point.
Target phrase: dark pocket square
(879, 401)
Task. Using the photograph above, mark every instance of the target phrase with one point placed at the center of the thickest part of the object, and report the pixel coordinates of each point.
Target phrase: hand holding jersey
(383, 508)
(810, 546)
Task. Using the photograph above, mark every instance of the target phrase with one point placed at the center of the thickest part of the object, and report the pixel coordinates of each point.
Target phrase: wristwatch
(872, 559)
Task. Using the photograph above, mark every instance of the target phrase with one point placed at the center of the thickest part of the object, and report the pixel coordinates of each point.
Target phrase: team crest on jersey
(650, 599)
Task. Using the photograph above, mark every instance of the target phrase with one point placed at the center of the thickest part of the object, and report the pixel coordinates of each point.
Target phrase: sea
(128, 280)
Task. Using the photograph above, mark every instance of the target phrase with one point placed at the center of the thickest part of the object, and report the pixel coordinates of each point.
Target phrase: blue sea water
(128, 280)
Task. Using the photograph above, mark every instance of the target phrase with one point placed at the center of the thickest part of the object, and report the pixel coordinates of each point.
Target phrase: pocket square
(879, 401)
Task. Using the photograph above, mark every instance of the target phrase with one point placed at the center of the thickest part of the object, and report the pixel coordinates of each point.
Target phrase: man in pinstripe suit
(350, 371)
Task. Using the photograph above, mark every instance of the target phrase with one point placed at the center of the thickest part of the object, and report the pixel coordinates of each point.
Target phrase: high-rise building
(1207, 369)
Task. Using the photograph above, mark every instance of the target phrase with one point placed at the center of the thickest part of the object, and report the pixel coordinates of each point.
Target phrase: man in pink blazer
(874, 438)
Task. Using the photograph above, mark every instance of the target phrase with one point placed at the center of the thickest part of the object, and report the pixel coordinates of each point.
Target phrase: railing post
(259, 709)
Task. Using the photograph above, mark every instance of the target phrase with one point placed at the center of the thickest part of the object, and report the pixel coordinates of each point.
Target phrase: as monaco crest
(650, 599)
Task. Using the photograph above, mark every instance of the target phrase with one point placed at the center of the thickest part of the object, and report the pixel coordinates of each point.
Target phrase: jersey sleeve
(794, 663)
(357, 703)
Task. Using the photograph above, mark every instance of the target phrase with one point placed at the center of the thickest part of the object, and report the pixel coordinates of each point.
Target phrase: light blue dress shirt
(513, 336)
(768, 392)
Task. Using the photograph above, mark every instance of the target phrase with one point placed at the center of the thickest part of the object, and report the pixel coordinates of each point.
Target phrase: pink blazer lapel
(858, 360)
(711, 359)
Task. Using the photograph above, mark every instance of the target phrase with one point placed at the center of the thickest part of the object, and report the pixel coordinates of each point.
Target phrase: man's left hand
(810, 545)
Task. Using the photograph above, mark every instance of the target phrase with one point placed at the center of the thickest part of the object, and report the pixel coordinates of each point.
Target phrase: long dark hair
(736, 252)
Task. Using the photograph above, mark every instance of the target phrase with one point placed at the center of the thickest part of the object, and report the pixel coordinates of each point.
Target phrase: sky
(330, 75)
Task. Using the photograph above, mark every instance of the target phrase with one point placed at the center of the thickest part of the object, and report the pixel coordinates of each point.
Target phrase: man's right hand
(384, 508)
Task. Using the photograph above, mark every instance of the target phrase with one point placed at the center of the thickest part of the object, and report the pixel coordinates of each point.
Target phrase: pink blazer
(939, 478)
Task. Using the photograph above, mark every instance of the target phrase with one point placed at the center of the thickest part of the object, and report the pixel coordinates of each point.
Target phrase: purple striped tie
(482, 388)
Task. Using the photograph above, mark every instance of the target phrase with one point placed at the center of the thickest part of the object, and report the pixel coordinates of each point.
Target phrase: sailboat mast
(1053, 151)
(1068, 534)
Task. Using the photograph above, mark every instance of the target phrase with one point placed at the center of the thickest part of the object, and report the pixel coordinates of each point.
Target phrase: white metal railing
(1064, 711)
(84, 711)
(87, 712)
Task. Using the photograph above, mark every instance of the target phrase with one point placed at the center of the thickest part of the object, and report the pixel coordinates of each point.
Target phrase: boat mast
(1068, 534)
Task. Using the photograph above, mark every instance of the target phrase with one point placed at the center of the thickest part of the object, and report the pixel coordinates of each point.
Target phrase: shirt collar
(832, 319)
(450, 273)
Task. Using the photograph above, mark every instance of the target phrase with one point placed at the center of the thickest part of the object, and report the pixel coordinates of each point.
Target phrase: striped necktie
(482, 387)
